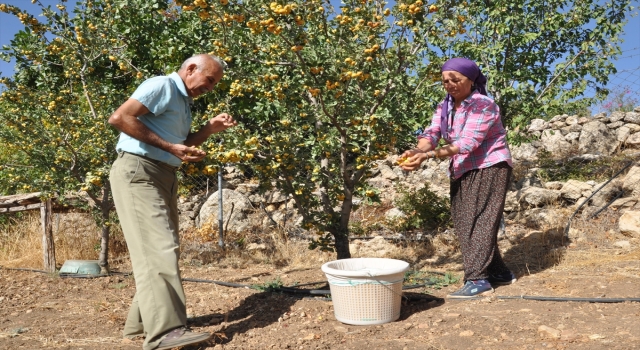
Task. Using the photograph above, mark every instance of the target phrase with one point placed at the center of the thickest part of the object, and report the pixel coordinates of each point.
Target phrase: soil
(39, 310)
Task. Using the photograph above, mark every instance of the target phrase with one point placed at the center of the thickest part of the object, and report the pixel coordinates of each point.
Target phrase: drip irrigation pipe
(588, 300)
(566, 229)
(620, 193)
(328, 292)
(227, 284)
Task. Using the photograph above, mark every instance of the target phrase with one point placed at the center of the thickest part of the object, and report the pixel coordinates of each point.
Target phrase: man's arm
(125, 119)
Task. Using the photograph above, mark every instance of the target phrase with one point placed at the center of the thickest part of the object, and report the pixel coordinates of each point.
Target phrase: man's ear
(192, 68)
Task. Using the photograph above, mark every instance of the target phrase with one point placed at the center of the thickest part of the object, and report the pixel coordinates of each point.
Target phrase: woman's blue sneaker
(502, 279)
(472, 289)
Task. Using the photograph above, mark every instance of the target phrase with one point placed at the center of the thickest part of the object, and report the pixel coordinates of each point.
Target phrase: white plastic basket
(366, 291)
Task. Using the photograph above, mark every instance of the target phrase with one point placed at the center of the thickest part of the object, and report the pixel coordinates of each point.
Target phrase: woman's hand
(410, 160)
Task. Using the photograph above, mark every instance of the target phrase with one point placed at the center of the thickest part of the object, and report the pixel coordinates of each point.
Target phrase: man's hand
(187, 154)
(216, 124)
(221, 122)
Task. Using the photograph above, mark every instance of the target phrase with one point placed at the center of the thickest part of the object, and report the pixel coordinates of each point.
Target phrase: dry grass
(528, 250)
(76, 237)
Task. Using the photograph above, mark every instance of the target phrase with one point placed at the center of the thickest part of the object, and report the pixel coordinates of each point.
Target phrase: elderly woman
(480, 168)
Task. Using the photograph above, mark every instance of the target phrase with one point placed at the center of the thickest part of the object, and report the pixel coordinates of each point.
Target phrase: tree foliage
(323, 94)
(541, 56)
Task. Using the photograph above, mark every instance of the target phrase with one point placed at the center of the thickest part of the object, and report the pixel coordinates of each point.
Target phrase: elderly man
(155, 124)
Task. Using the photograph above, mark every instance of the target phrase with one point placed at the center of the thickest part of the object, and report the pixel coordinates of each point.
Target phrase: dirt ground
(39, 311)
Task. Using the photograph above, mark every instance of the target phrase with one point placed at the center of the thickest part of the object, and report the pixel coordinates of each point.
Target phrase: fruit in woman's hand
(402, 160)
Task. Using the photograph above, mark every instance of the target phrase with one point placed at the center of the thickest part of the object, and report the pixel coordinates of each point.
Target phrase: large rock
(622, 134)
(606, 193)
(386, 172)
(511, 203)
(597, 138)
(629, 223)
(571, 120)
(538, 197)
(377, 247)
(572, 137)
(633, 127)
(538, 125)
(547, 219)
(230, 200)
(559, 118)
(631, 184)
(524, 151)
(632, 117)
(554, 142)
(623, 204)
(574, 189)
(616, 116)
(633, 141)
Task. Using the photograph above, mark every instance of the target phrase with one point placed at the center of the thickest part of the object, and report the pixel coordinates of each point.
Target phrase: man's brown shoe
(181, 337)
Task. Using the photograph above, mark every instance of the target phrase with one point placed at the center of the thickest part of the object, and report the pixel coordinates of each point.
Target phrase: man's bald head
(201, 73)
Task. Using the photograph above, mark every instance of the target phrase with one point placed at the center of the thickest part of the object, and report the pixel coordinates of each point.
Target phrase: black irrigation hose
(566, 229)
(588, 300)
(328, 292)
(227, 284)
(620, 193)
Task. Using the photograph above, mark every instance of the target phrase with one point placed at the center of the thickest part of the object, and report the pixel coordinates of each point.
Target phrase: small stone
(303, 314)
(596, 336)
(622, 244)
(466, 333)
(423, 325)
(341, 329)
(451, 315)
(548, 332)
(568, 335)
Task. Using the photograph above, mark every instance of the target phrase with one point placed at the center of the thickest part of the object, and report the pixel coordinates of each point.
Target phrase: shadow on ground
(535, 251)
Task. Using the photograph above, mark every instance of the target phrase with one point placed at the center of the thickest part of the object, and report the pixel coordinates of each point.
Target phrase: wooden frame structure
(33, 201)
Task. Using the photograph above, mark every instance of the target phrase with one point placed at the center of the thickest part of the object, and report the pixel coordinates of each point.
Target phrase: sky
(628, 65)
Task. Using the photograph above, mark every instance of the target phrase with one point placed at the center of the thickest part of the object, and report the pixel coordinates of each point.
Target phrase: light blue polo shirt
(169, 104)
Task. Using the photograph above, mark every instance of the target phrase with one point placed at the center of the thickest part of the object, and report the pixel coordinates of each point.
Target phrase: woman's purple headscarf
(469, 69)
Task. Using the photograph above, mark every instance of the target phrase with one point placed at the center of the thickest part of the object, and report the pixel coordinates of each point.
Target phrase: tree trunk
(104, 244)
(342, 245)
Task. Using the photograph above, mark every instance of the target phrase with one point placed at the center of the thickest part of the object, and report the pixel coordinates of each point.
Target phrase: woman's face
(456, 84)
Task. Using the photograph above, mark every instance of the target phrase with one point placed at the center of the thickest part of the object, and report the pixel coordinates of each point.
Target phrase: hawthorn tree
(323, 93)
(73, 68)
(540, 56)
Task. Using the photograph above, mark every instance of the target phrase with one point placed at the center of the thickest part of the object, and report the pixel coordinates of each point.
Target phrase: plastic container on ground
(80, 267)
(366, 291)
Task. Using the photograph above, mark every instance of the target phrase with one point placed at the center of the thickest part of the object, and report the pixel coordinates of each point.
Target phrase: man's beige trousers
(145, 195)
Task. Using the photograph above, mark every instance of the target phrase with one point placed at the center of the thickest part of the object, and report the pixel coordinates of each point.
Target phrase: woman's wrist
(420, 150)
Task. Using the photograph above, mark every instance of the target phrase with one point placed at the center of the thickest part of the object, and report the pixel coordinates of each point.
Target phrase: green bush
(424, 209)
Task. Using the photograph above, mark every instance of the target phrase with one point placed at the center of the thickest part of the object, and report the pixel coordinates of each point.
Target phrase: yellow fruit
(401, 161)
